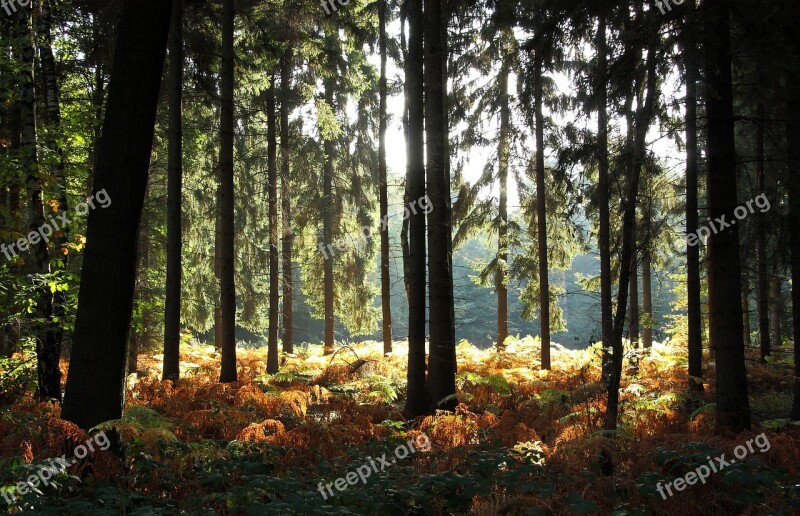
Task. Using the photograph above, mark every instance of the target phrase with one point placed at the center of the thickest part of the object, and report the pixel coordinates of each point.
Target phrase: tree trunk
(761, 244)
(724, 271)
(95, 389)
(647, 301)
(274, 253)
(793, 183)
(633, 288)
(287, 335)
(227, 255)
(417, 396)
(386, 286)
(442, 367)
(603, 196)
(504, 156)
(541, 214)
(172, 302)
(693, 291)
(61, 238)
(327, 218)
(776, 309)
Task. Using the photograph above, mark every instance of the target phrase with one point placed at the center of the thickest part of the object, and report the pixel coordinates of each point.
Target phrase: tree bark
(417, 396)
(793, 183)
(442, 366)
(603, 195)
(647, 301)
(776, 309)
(504, 156)
(386, 286)
(327, 215)
(763, 290)
(95, 389)
(172, 302)
(541, 214)
(287, 335)
(724, 271)
(272, 186)
(226, 215)
(693, 290)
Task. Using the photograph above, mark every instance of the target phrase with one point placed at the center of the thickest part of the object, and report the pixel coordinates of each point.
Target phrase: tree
(386, 285)
(417, 395)
(172, 304)
(272, 186)
(95, 388)
(724, 274)
(286, 207)
(442, 361)
(226, 215)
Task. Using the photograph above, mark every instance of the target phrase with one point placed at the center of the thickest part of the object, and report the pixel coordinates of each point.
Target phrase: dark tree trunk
(633, 289)
(417, 396)
(274, 254)
(647, 300)
(287, 335)
(541, 214)
(724, 271)
(442, 366)
(95, 389)
(761, 244)
(55, 335)
(172, 302)
(793, 147)
(695, 333)
(226, 208)
(776, 309)
(603, 195)
(386, 286)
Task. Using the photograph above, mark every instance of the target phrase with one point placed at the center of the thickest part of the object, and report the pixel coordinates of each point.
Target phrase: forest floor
(522, 441)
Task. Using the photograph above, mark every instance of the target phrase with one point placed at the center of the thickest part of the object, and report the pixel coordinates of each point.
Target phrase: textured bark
(603, 195)
(695, 333)
(96, 382)
(724, 271)
(504, 156)
(172, 303)
(647, 301)
(763, 280)
(417, 396)
(386, 286)
(442, 363)
(287, 334)
(226, 208)
(541, 214)
(793, 147)
(272, 186)
(327, 216)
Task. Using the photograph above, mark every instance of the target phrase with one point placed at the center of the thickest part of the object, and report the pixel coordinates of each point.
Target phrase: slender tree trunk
(96, 381)
(504, 156)
(47, 352)
(287, 335)
(228, 371)
(327, 225)
(761, 242)
(695, 332)
(274, 253)
(776, 309)
(793, 183)
(724, 271)
(746, 328)
(633, 318)
(386, 286)
(172, 302)
(541, 213)
(417, 396)
(442, 367)
(603, 196)
(61, 238)
(647, 300)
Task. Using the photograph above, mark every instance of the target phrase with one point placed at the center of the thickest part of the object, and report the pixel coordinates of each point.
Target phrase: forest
(491, 257)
